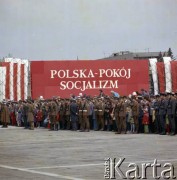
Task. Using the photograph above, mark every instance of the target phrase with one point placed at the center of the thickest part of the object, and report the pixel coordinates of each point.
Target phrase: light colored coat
(5, 115)
(30, 113)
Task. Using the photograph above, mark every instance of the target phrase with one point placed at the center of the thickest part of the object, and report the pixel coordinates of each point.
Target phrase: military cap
(140, 97)
(73, 100)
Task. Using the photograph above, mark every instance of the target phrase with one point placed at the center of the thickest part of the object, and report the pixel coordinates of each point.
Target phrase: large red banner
(161, 76)
(63, 78)
(174, 75)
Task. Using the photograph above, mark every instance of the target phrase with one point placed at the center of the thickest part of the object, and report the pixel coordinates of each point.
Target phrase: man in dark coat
(61, 110)
(30, 115)
(74, 114)
(67, 114)
(157, 117)
(170, 105)
(162, 114)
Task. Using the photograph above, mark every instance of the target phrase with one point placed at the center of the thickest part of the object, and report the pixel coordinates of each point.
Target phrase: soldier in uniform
(67, 114)
(30, 115)
(61, 114)
(116, 115)
(170, 105)
(100, 113)
(95, 115)
(80, 118)
(4, 115)
(122, 115)
(24, 112)
(53, 115)
(157, 117)
(107, 116)
(135, 113)
(84, 110)
(162, 114)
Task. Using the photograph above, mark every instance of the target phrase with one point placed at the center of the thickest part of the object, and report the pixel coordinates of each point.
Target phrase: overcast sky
(87, 29)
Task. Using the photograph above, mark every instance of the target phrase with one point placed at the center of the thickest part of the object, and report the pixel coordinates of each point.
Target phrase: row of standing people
(122, 114)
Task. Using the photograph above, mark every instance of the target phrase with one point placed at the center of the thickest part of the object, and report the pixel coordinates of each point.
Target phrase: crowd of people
(136, 113)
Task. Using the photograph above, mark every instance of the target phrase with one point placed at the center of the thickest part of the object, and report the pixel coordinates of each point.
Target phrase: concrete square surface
(43, 154)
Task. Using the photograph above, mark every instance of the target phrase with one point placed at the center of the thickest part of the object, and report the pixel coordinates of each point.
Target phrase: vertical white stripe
(2, 83)
(168, 73)
(11, 81)
(26, 76)
(153, 66)
(18, 79)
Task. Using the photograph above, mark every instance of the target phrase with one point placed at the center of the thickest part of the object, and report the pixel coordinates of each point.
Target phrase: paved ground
(43, 154)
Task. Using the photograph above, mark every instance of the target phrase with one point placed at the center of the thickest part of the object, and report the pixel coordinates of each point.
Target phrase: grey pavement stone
(43, 154)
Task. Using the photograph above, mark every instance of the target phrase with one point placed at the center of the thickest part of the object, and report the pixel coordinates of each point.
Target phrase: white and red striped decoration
(16, 78)
(25, 68)
(2, 83)
(168, 80)
(166, 77)
(153, 65)
(7, 79)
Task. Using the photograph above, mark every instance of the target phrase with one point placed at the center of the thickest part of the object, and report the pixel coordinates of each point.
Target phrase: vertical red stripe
(31, 84)
(7, 88)
(22, 81)
(174, 75)
(8, 81)
(161, 76)
(15, 81)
